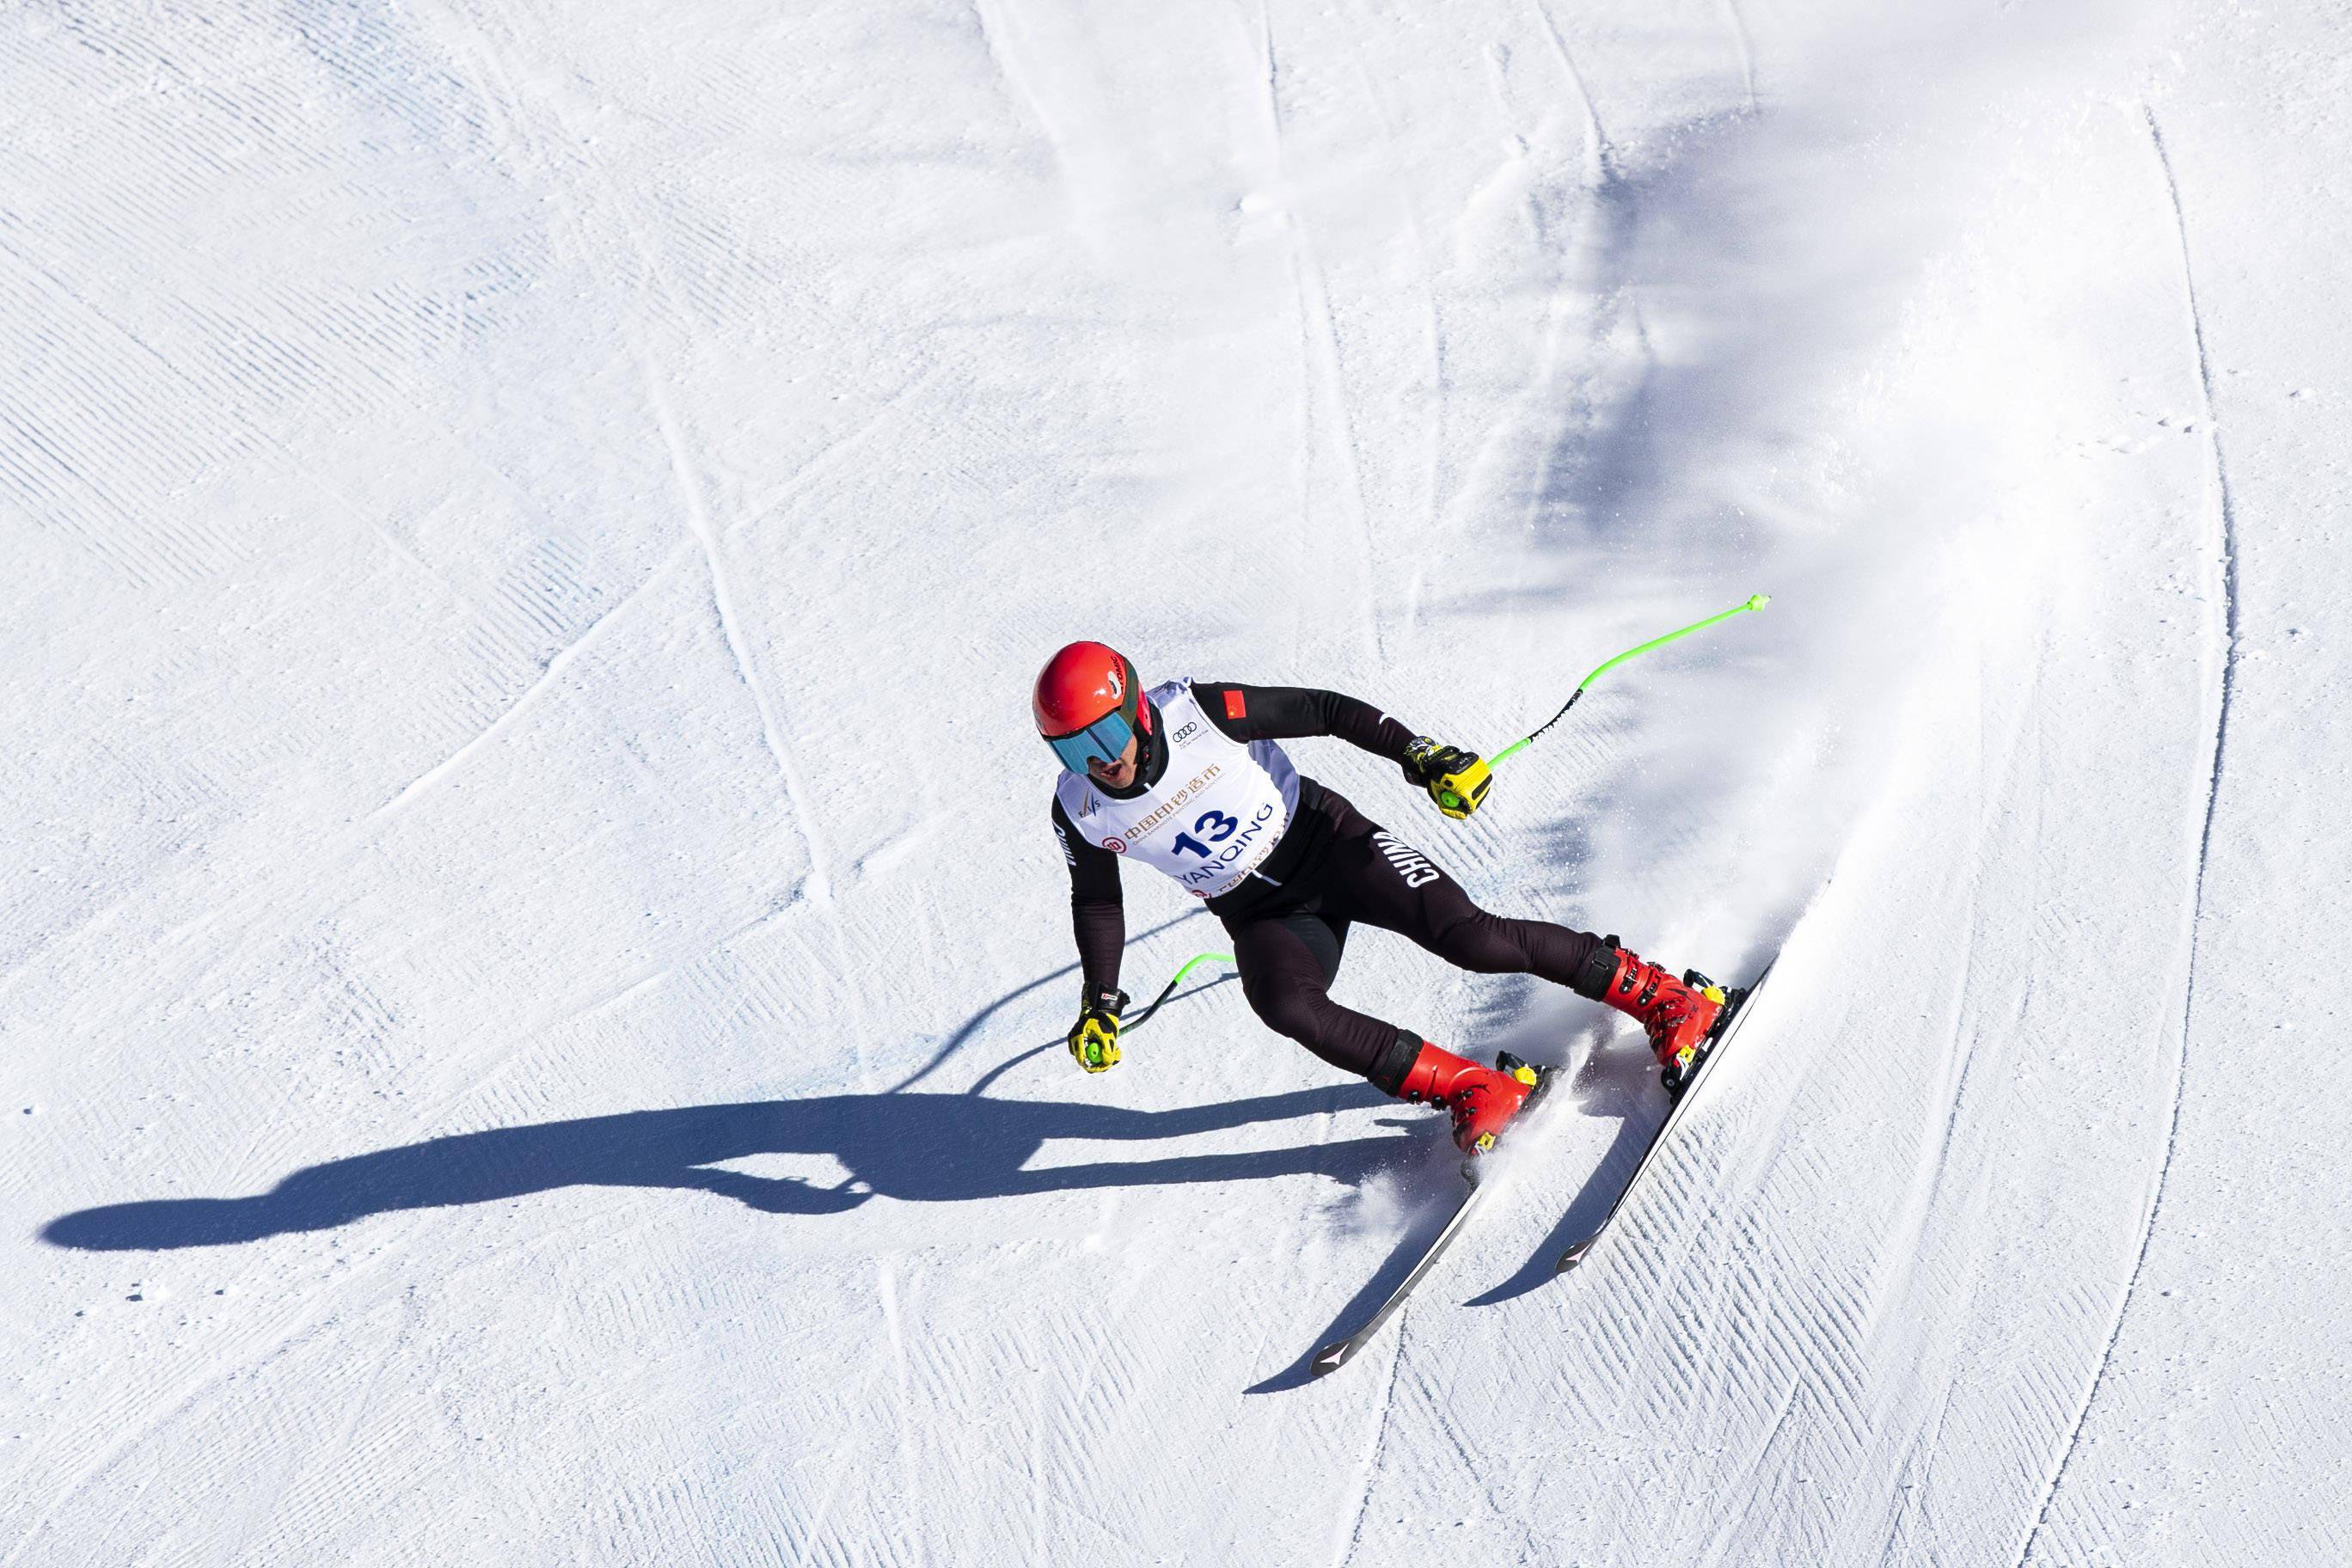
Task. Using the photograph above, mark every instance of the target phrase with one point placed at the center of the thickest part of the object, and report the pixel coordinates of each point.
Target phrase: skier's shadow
(917, 1148)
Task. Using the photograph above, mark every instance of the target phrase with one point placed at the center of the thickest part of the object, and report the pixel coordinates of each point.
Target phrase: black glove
(1456, 779)
(1093, 1038)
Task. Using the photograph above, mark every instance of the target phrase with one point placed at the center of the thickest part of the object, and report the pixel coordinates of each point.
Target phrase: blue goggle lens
(1105, 739)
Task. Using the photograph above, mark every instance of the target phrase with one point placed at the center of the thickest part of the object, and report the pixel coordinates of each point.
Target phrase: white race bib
(1216, 814)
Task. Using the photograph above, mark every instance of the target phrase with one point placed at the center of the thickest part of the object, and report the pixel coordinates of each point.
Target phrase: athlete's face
(1118, 773)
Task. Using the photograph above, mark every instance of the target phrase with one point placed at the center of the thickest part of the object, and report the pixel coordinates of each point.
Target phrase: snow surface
(532, 963)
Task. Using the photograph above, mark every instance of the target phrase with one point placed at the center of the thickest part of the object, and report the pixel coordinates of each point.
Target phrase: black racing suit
(1332, 869)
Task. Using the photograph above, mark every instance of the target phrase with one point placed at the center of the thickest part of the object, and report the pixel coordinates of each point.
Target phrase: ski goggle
(1105, 739)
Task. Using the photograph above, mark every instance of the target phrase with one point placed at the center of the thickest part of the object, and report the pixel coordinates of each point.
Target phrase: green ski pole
(1753, 602)
(1168, 990)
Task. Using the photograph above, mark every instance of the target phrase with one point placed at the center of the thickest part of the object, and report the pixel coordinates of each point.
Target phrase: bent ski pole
(1191, 965)
(1753, 602)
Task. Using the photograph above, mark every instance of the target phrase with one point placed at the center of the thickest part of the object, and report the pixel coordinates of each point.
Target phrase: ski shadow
(1430, 1219)
(1608, 1179)
(1622, 1084)
(914, 1147)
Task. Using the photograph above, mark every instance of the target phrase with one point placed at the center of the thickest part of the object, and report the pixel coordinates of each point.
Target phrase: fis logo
(1409, 862)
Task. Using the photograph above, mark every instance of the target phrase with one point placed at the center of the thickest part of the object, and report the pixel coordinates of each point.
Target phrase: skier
(1187, 778)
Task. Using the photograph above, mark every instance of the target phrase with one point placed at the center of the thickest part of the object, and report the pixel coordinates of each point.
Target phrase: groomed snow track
(531, 960)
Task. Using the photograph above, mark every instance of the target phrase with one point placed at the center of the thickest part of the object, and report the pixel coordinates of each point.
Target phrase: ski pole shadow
(914, 1148)
(973, 1025)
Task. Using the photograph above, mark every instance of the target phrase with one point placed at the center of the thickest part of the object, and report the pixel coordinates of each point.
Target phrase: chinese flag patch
(1234, 706)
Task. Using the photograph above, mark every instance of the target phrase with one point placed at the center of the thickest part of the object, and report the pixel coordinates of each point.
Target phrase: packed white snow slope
(532, 958)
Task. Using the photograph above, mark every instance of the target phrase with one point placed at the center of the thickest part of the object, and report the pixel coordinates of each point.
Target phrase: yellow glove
(1093, 1038)
(1456, 779)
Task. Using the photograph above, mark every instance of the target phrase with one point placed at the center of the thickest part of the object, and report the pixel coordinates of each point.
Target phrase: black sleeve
(1287, 712)
(1098, 914)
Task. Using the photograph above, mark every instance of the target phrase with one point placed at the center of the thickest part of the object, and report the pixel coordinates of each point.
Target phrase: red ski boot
(1679, 1014)
(1483, 1100)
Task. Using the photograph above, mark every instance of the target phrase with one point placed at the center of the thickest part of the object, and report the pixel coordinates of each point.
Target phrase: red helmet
(1090, 704)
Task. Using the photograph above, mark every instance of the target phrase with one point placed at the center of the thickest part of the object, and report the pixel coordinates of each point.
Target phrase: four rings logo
(1116, 845)
(1187, 732)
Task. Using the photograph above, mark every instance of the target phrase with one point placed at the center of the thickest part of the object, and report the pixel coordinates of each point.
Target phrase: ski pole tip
(1757, 601)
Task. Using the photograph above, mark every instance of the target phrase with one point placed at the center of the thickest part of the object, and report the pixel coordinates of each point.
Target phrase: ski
(1334, 1356)
(1735, 1009)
